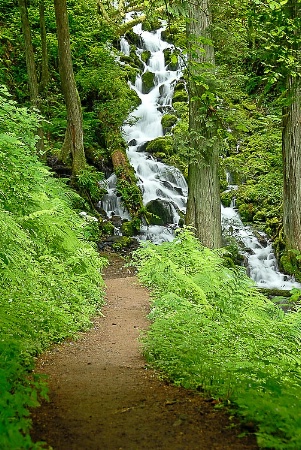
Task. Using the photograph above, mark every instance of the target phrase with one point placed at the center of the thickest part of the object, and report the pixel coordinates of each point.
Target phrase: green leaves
(239, 347)
(50, 281)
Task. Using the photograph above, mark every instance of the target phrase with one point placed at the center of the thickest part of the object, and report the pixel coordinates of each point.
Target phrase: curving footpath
(103, 397)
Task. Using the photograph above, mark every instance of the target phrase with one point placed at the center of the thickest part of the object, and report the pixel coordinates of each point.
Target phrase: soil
(104, 397)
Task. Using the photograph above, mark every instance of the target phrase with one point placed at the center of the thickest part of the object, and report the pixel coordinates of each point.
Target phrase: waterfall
(158, 182)
(258, 252)
(166, 184)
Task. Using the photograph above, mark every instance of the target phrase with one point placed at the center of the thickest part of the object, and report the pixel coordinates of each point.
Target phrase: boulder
(148, 79)
(168, 121)
(161, 145)
(161, 212)
(171, 59)
(145, 55)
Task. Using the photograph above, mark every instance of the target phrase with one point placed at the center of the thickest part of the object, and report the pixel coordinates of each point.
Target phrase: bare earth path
(102, 396)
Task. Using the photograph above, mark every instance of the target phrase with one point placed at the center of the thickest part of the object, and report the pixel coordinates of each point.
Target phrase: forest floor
(104, 397)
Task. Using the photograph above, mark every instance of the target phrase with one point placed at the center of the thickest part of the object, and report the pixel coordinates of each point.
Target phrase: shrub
(212, 330)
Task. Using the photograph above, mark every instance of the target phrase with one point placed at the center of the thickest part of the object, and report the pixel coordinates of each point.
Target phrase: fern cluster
(212, 329)
(50, 281)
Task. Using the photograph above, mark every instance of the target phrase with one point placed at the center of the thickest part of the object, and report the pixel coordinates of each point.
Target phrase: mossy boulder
(168, 121)
(106, 228)
(133, 38)
(151, 25)
(160, 145)
(160, 212)
(180, 85)
(180, 96)
(226, 198)
(145, 55)
(148, 79)
(169, 34)
(171, 59)
(131, 227)
(290, 262)
(134, 60)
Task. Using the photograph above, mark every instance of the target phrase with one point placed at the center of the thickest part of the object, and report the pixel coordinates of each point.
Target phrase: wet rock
(148, 79)
(161, 212)
(171, 59)
(142, 147)
(145, 56)
(118, 244)
(168, 121)
(160, 145)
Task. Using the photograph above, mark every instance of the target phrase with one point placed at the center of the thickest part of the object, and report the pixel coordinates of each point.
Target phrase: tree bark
(29, 55)
(31, 71)
(291, 152)
(44, 69)
(291, 146)
(203, 205)
(73, 105)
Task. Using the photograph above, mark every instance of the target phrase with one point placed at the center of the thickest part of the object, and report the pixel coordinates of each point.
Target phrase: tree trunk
(44, 69)
(291, 152)
(29, 55)
(291, 146)
(203, 205)
(72, 100)
(31, 72)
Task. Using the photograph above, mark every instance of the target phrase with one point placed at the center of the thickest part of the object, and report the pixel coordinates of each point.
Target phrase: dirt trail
(103, 397)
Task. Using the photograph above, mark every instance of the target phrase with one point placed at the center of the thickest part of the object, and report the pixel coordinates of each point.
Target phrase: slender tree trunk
(29, 55)
(203, 205)
(291, 151)
(31, 70)
(74, 133)
(44, 69)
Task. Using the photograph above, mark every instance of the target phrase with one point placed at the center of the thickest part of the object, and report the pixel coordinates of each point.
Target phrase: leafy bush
(211, 329)
(50, 281)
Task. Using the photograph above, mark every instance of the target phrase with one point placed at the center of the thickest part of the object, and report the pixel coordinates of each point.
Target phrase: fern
(240, 347)
(50, 277)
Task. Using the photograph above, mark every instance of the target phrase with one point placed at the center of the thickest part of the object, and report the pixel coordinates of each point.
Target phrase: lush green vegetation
(50, 273)
(212, 330)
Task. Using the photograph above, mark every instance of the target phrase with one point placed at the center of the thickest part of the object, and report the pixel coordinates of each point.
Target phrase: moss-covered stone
(160, 145)
(135, 61)
(290, 262)
(226, 198)
(131, 227)
(145, 55)
(180, 96)
(171, 59)
(160, 212)
(151, 25)
(133, 38)
(168, 121)
(131, 73)
(106, 228)
(148, 79)
(168, 34)
(180, 85)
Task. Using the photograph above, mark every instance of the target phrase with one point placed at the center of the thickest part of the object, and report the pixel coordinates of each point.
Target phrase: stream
(166, 184)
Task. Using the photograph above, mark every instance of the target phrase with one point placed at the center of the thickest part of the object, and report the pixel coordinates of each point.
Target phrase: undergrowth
(211, 329)
(50, 281)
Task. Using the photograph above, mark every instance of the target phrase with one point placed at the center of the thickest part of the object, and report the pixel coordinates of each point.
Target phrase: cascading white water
(165, 183)
(260, 258)
(157, 181)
